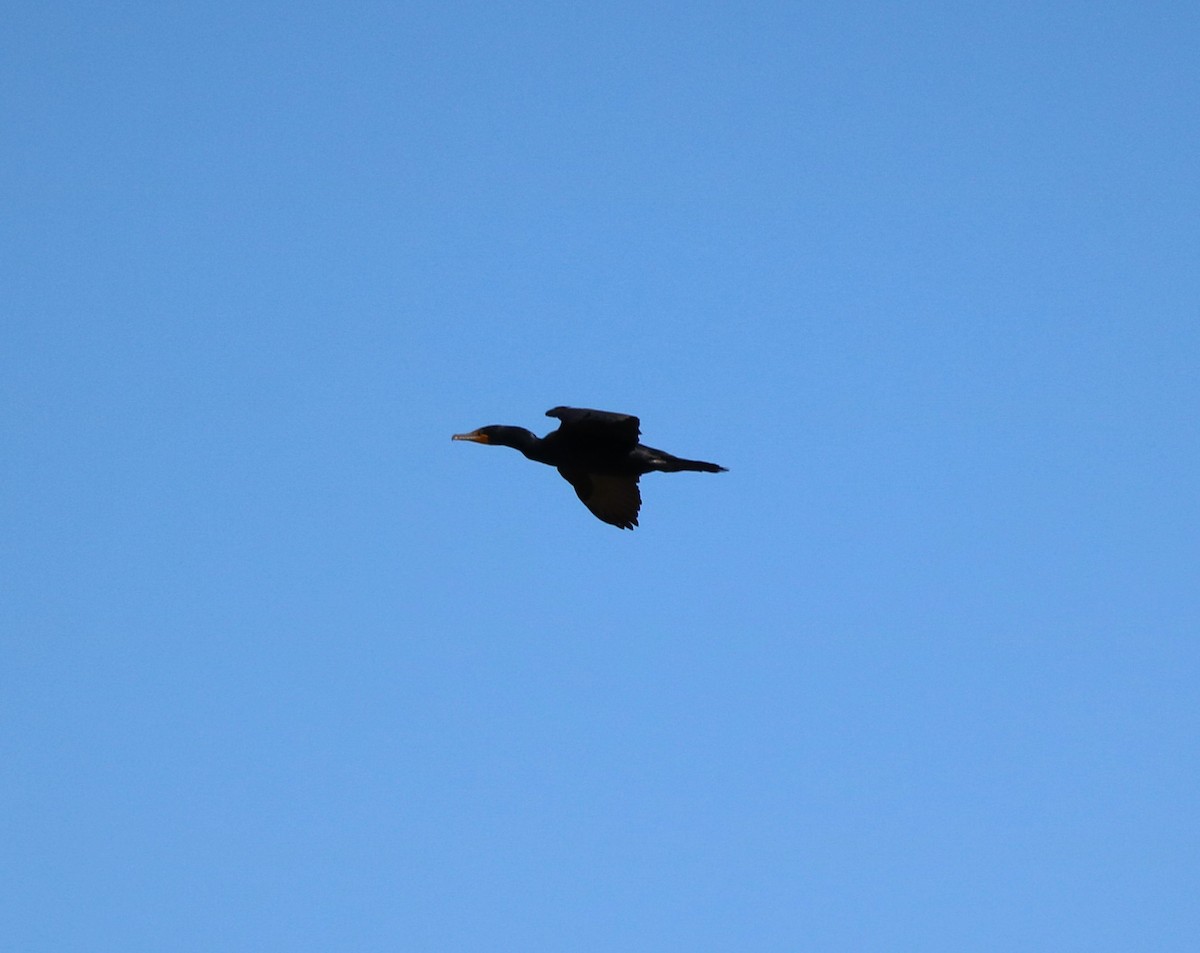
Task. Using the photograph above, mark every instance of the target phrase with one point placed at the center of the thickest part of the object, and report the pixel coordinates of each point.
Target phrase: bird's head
(499, 436)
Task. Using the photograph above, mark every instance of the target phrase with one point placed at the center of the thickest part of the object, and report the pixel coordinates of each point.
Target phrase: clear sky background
(285, 669)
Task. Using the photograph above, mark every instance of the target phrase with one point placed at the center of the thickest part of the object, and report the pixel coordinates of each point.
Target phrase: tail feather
(669, 464)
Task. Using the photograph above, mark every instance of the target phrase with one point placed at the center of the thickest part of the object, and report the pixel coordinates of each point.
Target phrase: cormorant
(598, 453)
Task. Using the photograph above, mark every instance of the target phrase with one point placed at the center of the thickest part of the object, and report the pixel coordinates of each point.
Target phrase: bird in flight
(598, 453)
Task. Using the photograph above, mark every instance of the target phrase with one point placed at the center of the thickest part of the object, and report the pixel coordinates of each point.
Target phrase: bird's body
(598, 453)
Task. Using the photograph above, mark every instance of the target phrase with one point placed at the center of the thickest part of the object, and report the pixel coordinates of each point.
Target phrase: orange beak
(474, 436)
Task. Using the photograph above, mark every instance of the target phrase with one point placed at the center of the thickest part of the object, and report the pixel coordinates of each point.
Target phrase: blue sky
(285, 669)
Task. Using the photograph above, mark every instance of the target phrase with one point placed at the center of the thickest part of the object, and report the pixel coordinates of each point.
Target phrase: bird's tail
(666, 463)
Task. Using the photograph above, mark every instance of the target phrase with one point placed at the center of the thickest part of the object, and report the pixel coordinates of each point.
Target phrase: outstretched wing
(599, 429)
(613, 499)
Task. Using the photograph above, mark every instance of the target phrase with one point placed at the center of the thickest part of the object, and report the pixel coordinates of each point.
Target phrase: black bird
(598, 453)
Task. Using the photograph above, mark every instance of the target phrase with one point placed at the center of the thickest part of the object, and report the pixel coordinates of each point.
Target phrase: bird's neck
(523, 440)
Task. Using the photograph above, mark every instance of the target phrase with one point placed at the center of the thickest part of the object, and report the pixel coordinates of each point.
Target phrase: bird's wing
(597, 427)
(613, 499)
